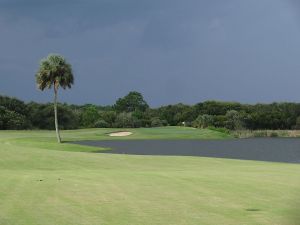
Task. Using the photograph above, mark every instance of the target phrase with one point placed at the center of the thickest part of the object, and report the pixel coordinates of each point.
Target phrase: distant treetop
(133, 101)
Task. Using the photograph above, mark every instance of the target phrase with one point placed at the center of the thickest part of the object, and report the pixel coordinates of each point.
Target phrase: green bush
(124, 120)
(297, 125)
(101, 124)
(203, 121)
(89, 116)
(10, 120)
(233, 120)
(219, 129)
(109, 117)
(156, 122)
(42, 116)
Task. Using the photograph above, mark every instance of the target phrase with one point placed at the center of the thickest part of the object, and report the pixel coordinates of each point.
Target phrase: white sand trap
(120, 134)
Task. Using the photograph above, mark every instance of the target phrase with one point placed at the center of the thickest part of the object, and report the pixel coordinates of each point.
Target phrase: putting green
(42, 182)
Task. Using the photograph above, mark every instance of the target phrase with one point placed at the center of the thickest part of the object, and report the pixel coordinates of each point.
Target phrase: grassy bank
(47, 139)
(73, 186)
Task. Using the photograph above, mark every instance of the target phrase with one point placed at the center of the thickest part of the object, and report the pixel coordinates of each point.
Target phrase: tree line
(132, 111)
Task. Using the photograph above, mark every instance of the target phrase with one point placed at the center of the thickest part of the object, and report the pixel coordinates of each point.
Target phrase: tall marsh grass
(266, 133)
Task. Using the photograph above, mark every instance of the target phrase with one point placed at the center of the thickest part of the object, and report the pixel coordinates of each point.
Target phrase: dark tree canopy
(134, 101)
(13, 104)
(133, 111)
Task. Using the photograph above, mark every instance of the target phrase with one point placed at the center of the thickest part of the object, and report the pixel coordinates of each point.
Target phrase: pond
(262, 149)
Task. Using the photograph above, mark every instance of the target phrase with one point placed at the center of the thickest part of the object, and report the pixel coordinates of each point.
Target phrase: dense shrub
(219, 129)
(109, 117)
(14, 105)
(233, 120)
(89, 116)
(156, 122)
(124, 120)
(101, 124)
(10, 120)
(176, 114)
(297, 125)
(203, 121)
(42, 116)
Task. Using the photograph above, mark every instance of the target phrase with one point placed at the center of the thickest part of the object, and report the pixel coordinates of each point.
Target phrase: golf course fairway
(45, 183)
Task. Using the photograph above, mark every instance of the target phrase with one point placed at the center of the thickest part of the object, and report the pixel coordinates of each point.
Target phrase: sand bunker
(120, 134)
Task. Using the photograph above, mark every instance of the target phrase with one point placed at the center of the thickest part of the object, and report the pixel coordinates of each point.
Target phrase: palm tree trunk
(55, 114)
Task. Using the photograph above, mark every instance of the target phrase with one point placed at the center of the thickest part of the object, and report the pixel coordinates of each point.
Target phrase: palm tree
(54, 71)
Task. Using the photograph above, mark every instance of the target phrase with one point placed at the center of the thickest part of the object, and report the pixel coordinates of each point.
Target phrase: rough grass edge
(266, 133)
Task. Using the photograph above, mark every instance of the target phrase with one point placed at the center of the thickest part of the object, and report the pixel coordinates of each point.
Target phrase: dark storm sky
(170, 50)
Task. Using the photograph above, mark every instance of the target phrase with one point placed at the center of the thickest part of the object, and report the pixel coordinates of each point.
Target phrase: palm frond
(54, 69)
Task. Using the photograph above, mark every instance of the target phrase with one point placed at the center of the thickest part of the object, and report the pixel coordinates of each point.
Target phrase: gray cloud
(171, 51)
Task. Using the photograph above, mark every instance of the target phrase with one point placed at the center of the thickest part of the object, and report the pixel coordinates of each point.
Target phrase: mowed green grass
(45, 183)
